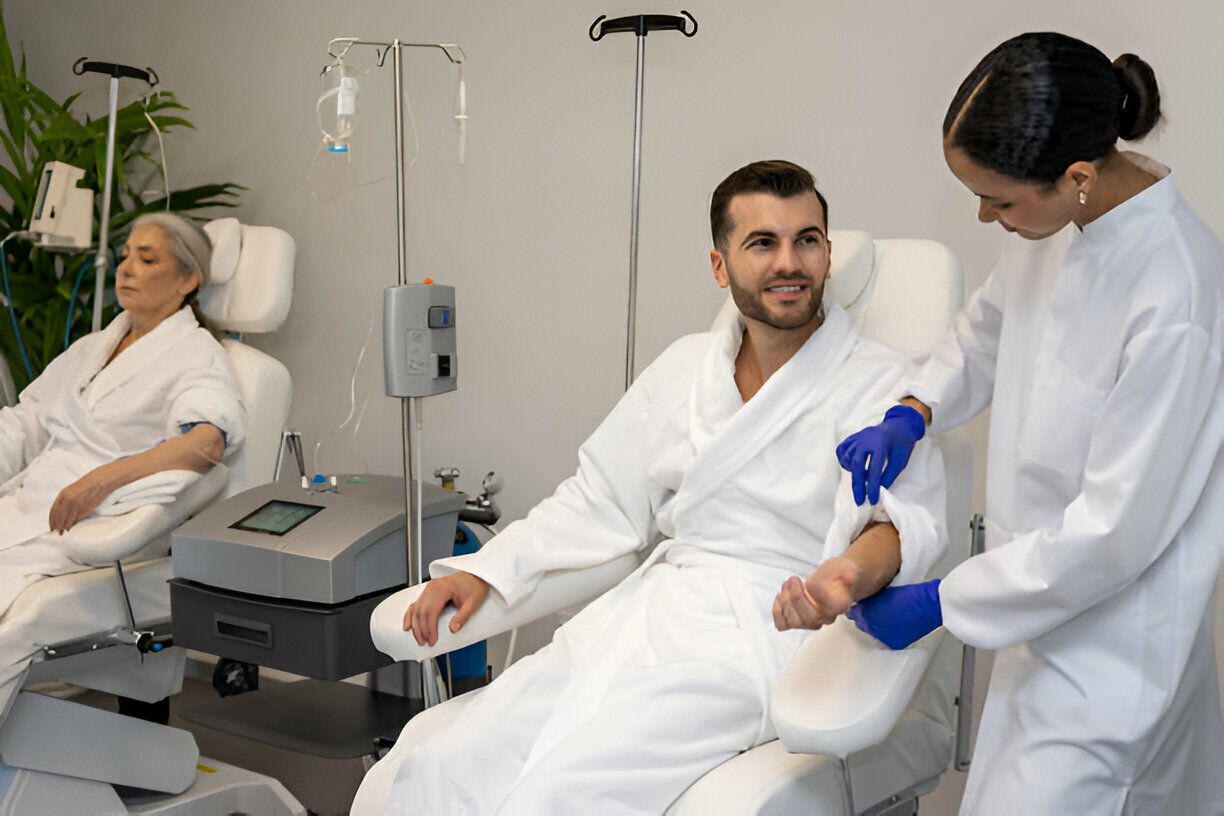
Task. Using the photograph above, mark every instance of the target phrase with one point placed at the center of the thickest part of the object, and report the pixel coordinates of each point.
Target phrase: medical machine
(62, 217)
(116, 72)
(640, 25)
(286, 576)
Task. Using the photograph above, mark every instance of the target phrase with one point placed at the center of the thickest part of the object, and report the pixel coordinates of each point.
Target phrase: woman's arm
(957, 381)
(199, 449)
(1151, 462)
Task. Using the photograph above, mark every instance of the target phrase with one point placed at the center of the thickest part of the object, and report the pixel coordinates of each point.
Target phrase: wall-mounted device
(62, 218)
(419, 346)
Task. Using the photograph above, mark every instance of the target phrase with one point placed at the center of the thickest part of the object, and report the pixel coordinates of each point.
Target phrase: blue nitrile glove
(875, 456)
(898, 616)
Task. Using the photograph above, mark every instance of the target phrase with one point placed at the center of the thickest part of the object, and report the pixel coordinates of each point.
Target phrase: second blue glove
(898, 616)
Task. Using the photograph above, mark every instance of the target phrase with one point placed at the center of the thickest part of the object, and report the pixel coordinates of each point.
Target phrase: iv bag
(334, 169)
(336, 109)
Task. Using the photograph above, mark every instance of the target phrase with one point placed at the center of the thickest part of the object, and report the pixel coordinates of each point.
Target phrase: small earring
(1083, 197)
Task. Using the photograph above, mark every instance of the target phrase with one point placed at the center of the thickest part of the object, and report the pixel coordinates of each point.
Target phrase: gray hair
(188, 243)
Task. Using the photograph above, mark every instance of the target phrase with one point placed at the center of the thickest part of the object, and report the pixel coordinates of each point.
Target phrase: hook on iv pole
(643, 24)
(85, 65)
(453, 52)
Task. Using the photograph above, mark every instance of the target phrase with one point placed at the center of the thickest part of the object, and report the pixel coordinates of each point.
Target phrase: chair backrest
(250, 292)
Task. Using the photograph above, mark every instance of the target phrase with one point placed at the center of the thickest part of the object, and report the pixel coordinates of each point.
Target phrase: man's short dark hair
(776, 177)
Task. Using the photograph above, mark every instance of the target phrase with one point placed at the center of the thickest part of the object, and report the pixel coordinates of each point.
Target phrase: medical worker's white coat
(671, 672)
(1100, 354)
(78, 416)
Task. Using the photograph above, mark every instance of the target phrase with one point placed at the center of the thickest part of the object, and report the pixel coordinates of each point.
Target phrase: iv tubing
(8, 298)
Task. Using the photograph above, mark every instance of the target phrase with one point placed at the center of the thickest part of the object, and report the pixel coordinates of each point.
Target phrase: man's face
(776, 260)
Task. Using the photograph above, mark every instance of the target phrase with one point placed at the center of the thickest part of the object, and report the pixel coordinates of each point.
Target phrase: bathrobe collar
(96, 382)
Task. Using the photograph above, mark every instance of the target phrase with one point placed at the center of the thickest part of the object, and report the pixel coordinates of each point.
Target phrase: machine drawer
(327, 642)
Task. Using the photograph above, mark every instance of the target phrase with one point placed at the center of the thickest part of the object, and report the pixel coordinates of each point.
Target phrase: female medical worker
(1097, 340)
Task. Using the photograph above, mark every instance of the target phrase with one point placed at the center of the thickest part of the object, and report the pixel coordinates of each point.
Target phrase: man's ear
(828, 261)
(718, 266)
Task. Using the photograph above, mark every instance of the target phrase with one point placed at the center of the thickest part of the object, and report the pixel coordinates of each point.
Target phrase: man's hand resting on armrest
(869, 563)
(464, 590)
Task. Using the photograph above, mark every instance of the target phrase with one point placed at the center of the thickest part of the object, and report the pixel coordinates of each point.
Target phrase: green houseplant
(36, 129)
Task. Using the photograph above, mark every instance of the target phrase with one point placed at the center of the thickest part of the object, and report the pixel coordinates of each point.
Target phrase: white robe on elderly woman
(81, 414)
(671, 672)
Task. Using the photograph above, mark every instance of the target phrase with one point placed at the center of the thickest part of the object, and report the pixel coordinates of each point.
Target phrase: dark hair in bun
(1139, 110)
(1040, 102)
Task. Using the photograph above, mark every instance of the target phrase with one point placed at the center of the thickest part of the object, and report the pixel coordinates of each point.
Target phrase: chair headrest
(251, 277)
(853, 260)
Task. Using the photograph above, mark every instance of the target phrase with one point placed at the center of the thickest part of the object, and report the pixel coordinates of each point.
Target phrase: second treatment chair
(861, 729)
(109, 628)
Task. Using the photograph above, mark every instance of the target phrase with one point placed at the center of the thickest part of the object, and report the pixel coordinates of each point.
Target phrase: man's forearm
(198, 450)
(877, 552)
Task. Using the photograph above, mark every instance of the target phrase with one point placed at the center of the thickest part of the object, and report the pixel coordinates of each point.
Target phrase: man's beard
(750, 304)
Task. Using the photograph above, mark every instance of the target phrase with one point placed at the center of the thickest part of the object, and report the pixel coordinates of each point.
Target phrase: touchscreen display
(276, 517)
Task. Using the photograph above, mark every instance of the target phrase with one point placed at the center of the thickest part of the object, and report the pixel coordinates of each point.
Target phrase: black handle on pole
(643, 24)
(87, 66)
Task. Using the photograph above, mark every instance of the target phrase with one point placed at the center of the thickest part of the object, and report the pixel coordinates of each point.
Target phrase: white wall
(534, 229)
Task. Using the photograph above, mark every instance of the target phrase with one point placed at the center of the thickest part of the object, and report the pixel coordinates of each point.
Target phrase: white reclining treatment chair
(109, 628)
(851, 715)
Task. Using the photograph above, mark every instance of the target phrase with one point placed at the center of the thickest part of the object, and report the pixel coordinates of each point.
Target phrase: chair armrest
(100, 540)
(556, 591)
(843, 691)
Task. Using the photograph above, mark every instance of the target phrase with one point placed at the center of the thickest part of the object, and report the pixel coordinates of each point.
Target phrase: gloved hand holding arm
(898, 616)
(876, 455)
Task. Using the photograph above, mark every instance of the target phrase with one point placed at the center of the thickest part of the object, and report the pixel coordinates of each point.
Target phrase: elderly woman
(126, 416)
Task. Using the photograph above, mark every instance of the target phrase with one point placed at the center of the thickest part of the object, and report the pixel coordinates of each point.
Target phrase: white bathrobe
(1100, 352)
(78, 416)
(671, 672)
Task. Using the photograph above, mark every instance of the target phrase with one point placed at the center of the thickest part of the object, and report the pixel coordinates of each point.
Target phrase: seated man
(721, 458)
(124, 417)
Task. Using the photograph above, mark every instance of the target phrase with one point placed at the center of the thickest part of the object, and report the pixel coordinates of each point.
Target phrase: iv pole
(409, 406)
(116, 72)
(641, 25)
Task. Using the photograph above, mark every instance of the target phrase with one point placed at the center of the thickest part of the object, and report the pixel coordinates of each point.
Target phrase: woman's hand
(875, 456)
(79, 499)
(827, 593)
(898, 616)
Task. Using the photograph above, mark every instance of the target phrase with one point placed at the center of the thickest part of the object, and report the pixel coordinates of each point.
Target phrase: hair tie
(1124, 87)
